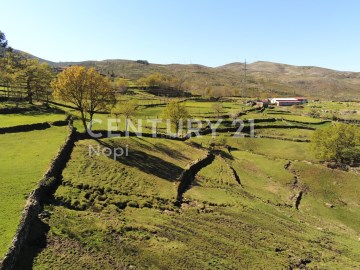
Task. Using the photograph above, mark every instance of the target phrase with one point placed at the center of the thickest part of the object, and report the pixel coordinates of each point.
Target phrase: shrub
(339, 143)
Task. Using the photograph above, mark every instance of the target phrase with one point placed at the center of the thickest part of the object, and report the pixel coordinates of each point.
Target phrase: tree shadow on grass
(146, 163)
(170, 152)
(32, 110)
(163, 148)
(40, 110)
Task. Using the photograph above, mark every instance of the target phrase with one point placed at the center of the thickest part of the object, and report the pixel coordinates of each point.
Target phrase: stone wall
(24, 128)
(188, 175)
(32, 127)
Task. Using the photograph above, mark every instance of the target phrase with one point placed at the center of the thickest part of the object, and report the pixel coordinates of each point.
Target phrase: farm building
(302, 99)
(288, 101)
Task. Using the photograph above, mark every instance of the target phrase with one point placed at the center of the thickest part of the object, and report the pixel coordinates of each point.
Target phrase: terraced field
(125, 217)
(257, 203)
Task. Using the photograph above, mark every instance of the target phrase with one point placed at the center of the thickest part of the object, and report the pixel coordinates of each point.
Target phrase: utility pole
(244, 82)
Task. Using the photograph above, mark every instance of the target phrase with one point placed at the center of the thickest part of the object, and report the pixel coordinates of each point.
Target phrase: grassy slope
(338, 188)
(221, 225)
(150, 169)
(24, 158)
(272, 148)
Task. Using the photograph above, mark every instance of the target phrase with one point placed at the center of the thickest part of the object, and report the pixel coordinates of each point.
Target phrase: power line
(244, 81)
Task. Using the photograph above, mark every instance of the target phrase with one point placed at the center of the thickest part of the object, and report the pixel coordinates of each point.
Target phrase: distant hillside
(263, 78)
(303, 80)
(38, 58)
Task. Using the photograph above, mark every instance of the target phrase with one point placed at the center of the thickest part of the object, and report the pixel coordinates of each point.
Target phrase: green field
(28, 114)
(24, 159)
(19, 119)
(325, 109)
(285, 133)
(271, 148)
(240, 211)
(128, 219)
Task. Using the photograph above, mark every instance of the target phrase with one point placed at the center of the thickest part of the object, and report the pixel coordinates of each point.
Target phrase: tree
(5, 76)
(217, 107)
(86, 89)
(154, 80)
(339, 143)
(128, 110)
(180, 82)
(121, 85)
(161, 81)
(176, 112)
(37, 77)
(42, 84)
(6, 69)
(18, 70)
(3, 44)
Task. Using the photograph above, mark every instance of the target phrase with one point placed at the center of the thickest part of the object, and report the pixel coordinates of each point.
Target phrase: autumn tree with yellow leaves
(86, 89)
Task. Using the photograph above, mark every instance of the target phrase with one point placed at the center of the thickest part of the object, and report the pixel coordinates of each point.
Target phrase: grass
(30, 114)
(204, 109)
(334, 187)
(151, 168)
(327, 109)
(282, 116)
(286, 133)
(120, 213)
(298, 118)
(216, 184)
(128, 219)
(271, 148)
(24, 159)
(263, 177)
(26, 119)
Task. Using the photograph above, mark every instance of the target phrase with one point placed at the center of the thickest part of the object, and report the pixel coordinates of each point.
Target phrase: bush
(339, 143)
(314, 113)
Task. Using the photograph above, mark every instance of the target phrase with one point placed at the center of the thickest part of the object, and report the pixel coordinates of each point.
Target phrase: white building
(288, 101)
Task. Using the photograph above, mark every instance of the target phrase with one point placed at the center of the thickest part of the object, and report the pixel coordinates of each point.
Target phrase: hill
(264, 79)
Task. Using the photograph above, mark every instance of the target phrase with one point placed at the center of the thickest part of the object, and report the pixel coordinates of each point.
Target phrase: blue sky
(301, 32)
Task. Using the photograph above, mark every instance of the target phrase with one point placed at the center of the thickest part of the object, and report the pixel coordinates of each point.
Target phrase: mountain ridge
(263, 78)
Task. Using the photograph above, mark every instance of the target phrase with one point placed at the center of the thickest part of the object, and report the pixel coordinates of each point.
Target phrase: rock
(329, 205)
(44, 215)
